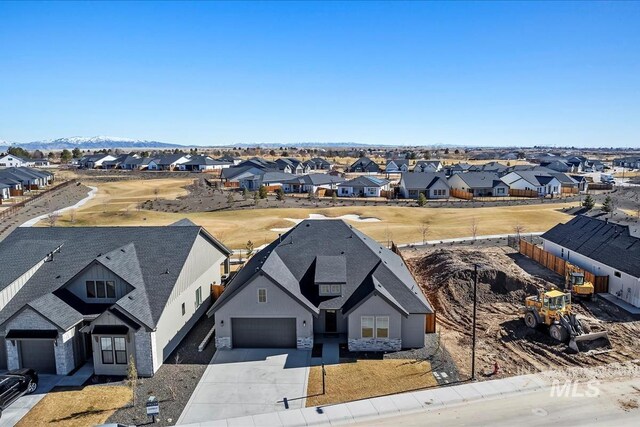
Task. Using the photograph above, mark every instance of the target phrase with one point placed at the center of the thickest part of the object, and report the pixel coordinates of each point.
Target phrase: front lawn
(367, 378)
(89, 406)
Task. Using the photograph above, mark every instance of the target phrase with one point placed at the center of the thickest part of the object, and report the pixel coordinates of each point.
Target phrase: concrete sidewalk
(397, 404)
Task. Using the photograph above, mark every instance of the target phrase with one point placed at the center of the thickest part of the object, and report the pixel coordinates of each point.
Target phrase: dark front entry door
(330, 321)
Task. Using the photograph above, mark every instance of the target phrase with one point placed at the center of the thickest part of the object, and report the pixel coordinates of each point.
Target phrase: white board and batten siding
(200, 271)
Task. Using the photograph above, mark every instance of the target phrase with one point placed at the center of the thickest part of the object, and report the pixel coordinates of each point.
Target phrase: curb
(392, 405)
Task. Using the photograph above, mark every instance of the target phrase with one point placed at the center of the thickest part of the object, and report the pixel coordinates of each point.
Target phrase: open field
(366, 378)
(117, 204)
(88, 406)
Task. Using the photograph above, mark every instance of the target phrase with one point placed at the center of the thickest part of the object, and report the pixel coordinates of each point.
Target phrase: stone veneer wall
(65, 361)
(223, 342)
(304, 343)
(144, 353)
(371, 344)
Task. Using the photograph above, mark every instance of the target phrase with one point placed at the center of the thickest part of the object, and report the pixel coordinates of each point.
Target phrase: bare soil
(446, 276)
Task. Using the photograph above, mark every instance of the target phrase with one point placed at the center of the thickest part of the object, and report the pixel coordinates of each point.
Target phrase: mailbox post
(153, 407)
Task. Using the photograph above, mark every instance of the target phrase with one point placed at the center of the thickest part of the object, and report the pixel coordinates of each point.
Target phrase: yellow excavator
(553, 309)
(575, 283)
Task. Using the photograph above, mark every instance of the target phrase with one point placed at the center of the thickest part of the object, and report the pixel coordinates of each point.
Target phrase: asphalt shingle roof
(422, 180)
(292, 261)
(150, 259)
(606, 242)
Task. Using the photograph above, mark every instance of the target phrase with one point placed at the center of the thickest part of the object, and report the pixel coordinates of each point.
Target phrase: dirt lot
(446, 275)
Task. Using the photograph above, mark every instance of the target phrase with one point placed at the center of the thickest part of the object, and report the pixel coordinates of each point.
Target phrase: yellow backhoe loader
(575, 283)
(553, 309)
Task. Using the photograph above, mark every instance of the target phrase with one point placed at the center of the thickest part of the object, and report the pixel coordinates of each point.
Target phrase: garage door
(263, 333)
(38, 355)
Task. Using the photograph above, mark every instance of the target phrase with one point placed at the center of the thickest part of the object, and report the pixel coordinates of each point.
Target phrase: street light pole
(473, 331)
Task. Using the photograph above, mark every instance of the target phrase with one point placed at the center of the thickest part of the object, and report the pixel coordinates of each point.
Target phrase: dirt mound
(450, 274)
(446, 276)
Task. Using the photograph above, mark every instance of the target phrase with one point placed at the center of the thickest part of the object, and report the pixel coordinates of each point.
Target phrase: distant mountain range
(84, 143)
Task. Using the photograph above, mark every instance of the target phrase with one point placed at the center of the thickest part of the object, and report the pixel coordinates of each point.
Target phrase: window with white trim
(106, 347)
(262, 295)
(382, 327)
(336, 289)
(120, 346)
(367, 326)
(198, 297)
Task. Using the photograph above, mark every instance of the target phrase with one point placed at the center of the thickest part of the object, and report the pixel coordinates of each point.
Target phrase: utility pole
(473, 331)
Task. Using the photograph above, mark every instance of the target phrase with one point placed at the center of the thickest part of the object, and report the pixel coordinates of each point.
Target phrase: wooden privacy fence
(514, 192)
(216, 291)
(569, 190)
(460, 194)
(430, 320)
(599, 186)
(559, 265)
(231, 184)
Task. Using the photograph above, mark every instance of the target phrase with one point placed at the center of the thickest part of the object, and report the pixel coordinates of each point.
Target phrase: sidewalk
(397, 404)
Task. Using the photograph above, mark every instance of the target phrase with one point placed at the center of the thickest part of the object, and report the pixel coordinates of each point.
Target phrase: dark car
(16, 383)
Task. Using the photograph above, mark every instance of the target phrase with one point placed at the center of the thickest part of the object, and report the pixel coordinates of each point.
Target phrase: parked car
(16, 383)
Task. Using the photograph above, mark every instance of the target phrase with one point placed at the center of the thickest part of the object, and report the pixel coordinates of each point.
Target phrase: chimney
(279, 237)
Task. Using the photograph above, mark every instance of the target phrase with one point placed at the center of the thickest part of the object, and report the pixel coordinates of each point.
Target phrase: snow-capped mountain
(93, 143)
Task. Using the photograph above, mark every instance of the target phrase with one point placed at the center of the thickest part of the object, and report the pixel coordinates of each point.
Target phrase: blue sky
(412, 73)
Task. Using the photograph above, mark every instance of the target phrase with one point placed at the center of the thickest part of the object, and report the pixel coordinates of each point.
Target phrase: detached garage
(256, 332)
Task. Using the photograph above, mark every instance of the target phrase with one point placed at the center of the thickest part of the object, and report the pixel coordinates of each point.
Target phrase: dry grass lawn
(89, 406)
(367, 378)
(115, 204)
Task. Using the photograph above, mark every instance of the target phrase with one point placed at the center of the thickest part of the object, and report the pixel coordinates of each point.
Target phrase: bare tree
(474, 228)
(52, 218)
(518, 229)
(388, 237)
(424, 230)
(72, 216)
(132, 377)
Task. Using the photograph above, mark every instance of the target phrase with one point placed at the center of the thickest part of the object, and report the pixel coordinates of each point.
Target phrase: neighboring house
(41, 163)
(9, 160)
(168, 162)
(546, 184)
(496, 167)
(318, 163)
(632, 162)
(203, 163)
(480, 184)
(260, 163)
(323, 277)
(228, 158)
(103, 294)
(459, 168)
(95, 161)
(240, 173)
(363, 186)
(397, 166)
(115, 164)
(294, 166)
(433, 185)
(15, 186)
(5, 191)
(268, 179)
(364, 165)
(602, 248)
(594, 166)
(558, 166)
(428, 166)
(312, 182)
(30, 179)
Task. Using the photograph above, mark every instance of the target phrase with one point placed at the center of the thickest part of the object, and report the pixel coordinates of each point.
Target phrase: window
(366, 326)
(199, 296)
(111, 289)
(100, 290)
(262, 295)
(91, 289)
(325, 289)
(617, 274)
(500, 190)
(382, 327)
(184, 310)
(121, 350)
(107, 350)
(336, 289)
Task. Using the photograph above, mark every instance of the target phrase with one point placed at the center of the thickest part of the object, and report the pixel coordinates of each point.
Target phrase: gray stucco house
(323, 277)
(433, 185)
(101, 294)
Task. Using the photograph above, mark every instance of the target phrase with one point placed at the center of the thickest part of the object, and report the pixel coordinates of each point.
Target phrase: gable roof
(293, 262)
(422, 180)
(480, 179)
(364, 181)
(603, 241)
(316, 179)
(150, 259)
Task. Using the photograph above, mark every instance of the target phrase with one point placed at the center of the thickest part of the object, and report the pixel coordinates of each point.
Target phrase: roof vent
(100, 254)
(107, 257)
(307, 224)
(58, 276)
(122, 250)
(166, 271)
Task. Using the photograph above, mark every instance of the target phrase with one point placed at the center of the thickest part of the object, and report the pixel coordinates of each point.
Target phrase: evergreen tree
(422, 200)
(607, 206)
(588, 202)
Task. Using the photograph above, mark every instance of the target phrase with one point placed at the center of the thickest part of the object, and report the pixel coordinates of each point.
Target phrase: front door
(330, 321)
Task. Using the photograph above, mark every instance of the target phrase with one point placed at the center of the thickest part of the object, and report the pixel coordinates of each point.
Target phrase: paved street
(20, 407)
(243, 382)
(616, 404)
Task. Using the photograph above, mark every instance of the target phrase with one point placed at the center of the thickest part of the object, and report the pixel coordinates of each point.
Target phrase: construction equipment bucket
(592, 341)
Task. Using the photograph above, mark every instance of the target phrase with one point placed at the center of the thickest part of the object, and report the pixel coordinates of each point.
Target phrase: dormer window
(100, 289)
(330, 290)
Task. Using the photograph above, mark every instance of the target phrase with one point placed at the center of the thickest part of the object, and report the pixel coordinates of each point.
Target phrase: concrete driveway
(242, 382)
(20, 407)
